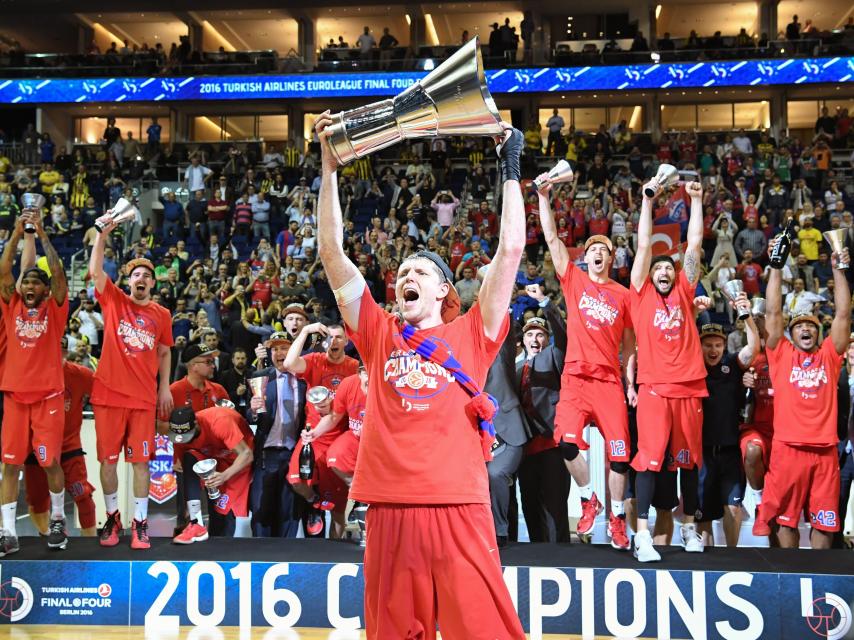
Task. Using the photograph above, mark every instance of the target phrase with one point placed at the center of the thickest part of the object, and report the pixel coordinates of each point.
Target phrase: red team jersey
(319, 371)
(78, 385)
(764, 410)
(805, 385)
(419, 446)
(185, 394)
(669, 352)
(595, 319)
(33, 368)
(127, 371)
(350, 401)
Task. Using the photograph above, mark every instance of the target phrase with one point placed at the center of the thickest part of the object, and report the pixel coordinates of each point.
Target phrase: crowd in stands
(235, 253)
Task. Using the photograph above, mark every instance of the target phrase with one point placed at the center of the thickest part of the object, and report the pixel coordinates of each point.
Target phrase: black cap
(196, 350)
(182, 425)
(38, 273)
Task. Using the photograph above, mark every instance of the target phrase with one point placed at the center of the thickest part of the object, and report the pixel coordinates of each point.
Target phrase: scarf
(482, 406)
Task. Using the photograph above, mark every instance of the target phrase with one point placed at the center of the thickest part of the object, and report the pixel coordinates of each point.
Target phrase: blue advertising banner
(550, 600)
(679, 75)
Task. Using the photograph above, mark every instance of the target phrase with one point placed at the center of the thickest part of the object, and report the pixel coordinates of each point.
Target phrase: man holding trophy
(431, 535)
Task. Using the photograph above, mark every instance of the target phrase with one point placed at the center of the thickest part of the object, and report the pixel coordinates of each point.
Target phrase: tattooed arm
(692, 262)
(58, 282)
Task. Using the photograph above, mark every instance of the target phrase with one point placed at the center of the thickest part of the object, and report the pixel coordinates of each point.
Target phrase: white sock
(57, 505)
(195, 509)
(9, 518)
(586, 491)
(140, 509)
(617, 508)
(757, 496)
(112, 502)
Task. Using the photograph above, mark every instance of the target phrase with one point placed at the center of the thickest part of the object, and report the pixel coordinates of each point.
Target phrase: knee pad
(570, 451)
(620, 467)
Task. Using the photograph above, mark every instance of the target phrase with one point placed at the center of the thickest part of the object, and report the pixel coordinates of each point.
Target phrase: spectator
(387, 44)
(555, 126)
(793, 29)
(639, 43)
(366, 43)
(196, 176)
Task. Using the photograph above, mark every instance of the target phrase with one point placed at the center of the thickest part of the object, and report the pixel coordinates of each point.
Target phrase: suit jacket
(510, 422)
(265, 420)
(545, 370)
(223, 363)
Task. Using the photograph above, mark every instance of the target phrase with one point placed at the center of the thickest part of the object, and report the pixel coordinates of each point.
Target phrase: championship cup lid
(599, 239)
(536, 323)
(196, 350)
(712, 329)
(278, 338)
(295, 308)
(182, 425)
(138, 262)
(804, 317)
(451, 304)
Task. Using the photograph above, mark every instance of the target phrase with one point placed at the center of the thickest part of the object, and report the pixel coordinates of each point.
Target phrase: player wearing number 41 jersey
(126, 395)
(804, 470)
(591, 389)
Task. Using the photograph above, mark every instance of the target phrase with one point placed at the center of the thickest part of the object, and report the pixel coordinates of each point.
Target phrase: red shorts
(117, 427)
(444, 563)
(760, 435)
(343, 453)
(235, 492)
(76, 484)
(325, 481)
(801, 480)
(674, 421)
(35, 427)
(584, 399)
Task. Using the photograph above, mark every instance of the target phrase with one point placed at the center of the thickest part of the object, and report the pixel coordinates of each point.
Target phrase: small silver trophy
(667, 176)
(32, 202)
(318, 395)
(757, 310)
(836, 239)
(258, 386)
(559, 173)
(203, 469)
(122, 211)
(731, 290)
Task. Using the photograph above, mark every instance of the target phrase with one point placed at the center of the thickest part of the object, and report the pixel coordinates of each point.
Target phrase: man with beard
(34, 312)
(431, 539)
(721, 479)
(127, 394)
(599, 328)
(326, 491)
(804, 472)
(671, 373)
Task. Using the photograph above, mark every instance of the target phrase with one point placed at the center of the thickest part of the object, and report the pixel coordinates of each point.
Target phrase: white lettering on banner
(511, 580)
(217, 591)
(153, 617)
(635, 628)
(667, 592)
(588, 618)
(242, 572)
(272, 595)
(755, 623)
(539, 610)
(136, 339)
(333, 596)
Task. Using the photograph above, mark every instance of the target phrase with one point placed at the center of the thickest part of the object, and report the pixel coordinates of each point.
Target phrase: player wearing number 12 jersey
(598, 327)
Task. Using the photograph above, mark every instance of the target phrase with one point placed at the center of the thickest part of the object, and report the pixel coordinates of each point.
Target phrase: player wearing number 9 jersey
(127, 395)
(804, 471)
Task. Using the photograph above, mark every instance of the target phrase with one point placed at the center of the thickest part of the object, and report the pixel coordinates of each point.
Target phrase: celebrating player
(591, 388)
(126, 395)
(426, 413)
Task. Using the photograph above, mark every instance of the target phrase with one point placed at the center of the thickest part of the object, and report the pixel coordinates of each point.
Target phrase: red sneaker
(314, 524)
(193, 532)
(589, 510)
(112, 530)
(617, 533)
(139, 535)
(323, 505)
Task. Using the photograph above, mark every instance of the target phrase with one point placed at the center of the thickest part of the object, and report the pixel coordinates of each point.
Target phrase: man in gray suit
(543, 478)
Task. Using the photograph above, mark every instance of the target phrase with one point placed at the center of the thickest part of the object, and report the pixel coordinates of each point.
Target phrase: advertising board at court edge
(550, 600)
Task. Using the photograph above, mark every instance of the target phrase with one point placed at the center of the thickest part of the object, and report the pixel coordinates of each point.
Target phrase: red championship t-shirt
(33, 369)
(669, 354)
(805, 388)
(220, 431)
(350, 401)
(763, 413)
(420, 446)
(320, 371)
(185, 394)
(78, 385)
(596, 315)
(2, 352)
(127, 371)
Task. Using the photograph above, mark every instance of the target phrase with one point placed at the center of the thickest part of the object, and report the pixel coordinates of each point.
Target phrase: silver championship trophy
(317, 395)
(203, 469)
(258, 386)
(122, 211)
(666, 177)
(559, 173)
(452, 100)
(731, 290)
(836, 239)
(757, 310)
(32, 202)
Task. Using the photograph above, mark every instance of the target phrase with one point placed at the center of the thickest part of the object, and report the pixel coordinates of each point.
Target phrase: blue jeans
(172, 230)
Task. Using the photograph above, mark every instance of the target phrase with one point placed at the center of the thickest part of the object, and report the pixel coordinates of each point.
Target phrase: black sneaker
(57, 537)
(8, 543)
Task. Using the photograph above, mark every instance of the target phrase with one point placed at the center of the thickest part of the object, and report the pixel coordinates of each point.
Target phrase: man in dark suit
(543, 478)
(511, 434)
(280, 417)
(223, 360)
(235, 380)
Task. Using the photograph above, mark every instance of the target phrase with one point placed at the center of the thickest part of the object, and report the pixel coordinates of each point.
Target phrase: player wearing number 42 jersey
(804, 470)
(598, 328)
(126, 396)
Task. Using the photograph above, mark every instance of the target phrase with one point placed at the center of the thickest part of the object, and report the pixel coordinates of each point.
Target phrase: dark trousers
(846, 475)
(502, 472)
(271, 498)
(544, 483)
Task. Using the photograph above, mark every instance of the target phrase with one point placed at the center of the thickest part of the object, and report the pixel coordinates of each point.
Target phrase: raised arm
(774, 304)
(7, 261)
(344, 278)
(692, 262)
(643, 255)
(96, 259)
(58, 281)
(294, 362)
(500, 279)
(840, 329)
(557, 324)
(28, 256)
(560, 256)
